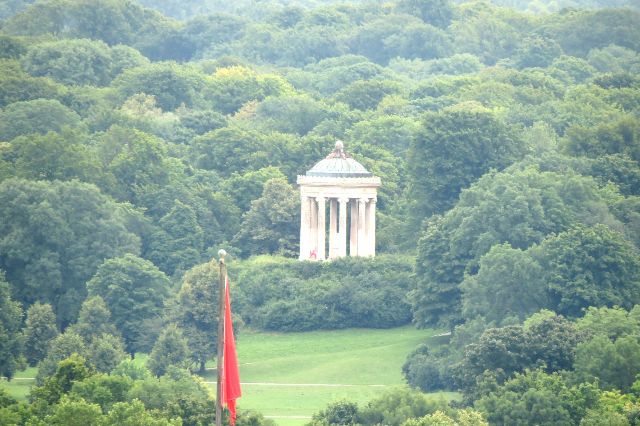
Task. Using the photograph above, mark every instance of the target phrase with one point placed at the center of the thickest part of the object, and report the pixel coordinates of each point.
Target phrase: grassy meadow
(290, 376)
(296, 374)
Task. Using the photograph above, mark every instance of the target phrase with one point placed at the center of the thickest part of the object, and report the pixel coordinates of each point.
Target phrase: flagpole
(221, 289)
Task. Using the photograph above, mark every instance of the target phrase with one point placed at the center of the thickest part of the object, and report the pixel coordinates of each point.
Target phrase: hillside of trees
(138, 138)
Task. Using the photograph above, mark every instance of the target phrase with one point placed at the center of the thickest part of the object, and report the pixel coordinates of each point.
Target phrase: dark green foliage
(271, 224)
(338, 413)
(11, 341)
(94, 320)
(619, 137)
(452, 150)
(435, 12)
(80, 62)
(194, 314)
(103, 389)
(60, 348)
(62, 156)
(56, 235)
(11, 48)
(536, 51)
(105, 352)
(171, 349)
(112, 21)
(134, 290)
(519, 207)
(613, 364)
(590, 267)
(537, 397)
(36, 116)
(351, 292)
(367, 94)
(69, 370)
(427, 369)
(176, 395)
(171, 84)
(40, 328)
(583, 30)
(508, 350)
(177, 245)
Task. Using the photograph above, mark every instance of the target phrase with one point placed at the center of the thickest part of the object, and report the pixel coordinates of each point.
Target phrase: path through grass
(369, 361)
(289, 375)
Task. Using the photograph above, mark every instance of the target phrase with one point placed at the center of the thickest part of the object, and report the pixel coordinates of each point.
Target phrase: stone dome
(339, 164)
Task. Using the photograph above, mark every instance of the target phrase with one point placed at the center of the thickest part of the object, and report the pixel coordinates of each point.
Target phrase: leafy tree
(11, 344)
(94, 320)
(520, 207)
(453, 149)
(619, 137)
(270, 225)
(502, 352)
(615, 59)
(69, 412)
(11, 47)
(231, 88)
(194, 314)
(105, 352)
(243, 188)
(485, 35)
(590, 267)
(367, 94)
(582, 30)
(68, 371)
(396, 406)
(70, 62)
(171, 349)
(61, 347)
(134, 414)
(112, 21)
(509, 284)
(610, 322)
(177, 394)
(229, 150)
(435, 12)
(136, 162)
(614, 364)
(418, 40)
(536, 51)
(338, 413)
(537, 397)
(171, 84)
(40, 328)
(62, 156)
(178, 244)
(56, 235)
(36, 116)
(103, 389)
(18, 86)
(134, 290)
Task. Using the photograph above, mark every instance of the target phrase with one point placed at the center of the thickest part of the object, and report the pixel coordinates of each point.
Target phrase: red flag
(230, 373)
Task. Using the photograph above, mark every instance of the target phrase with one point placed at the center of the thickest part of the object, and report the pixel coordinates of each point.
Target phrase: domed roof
(339, 164)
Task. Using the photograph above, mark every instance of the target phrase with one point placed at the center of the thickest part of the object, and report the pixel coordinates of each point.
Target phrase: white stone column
(305, 225)
(353, 239)
(321, 229)
(342, 235)
(313, 230)
(333, 228)
(362, 238)
(371, 227)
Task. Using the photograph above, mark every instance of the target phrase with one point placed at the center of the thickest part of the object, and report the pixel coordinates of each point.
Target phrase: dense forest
(138, 138)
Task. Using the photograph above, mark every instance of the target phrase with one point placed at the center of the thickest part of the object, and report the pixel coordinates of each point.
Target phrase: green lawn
(21, 383)
(298, 374)
(368, 361)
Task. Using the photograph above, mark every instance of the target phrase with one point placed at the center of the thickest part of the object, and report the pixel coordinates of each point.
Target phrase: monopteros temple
(348, 191)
